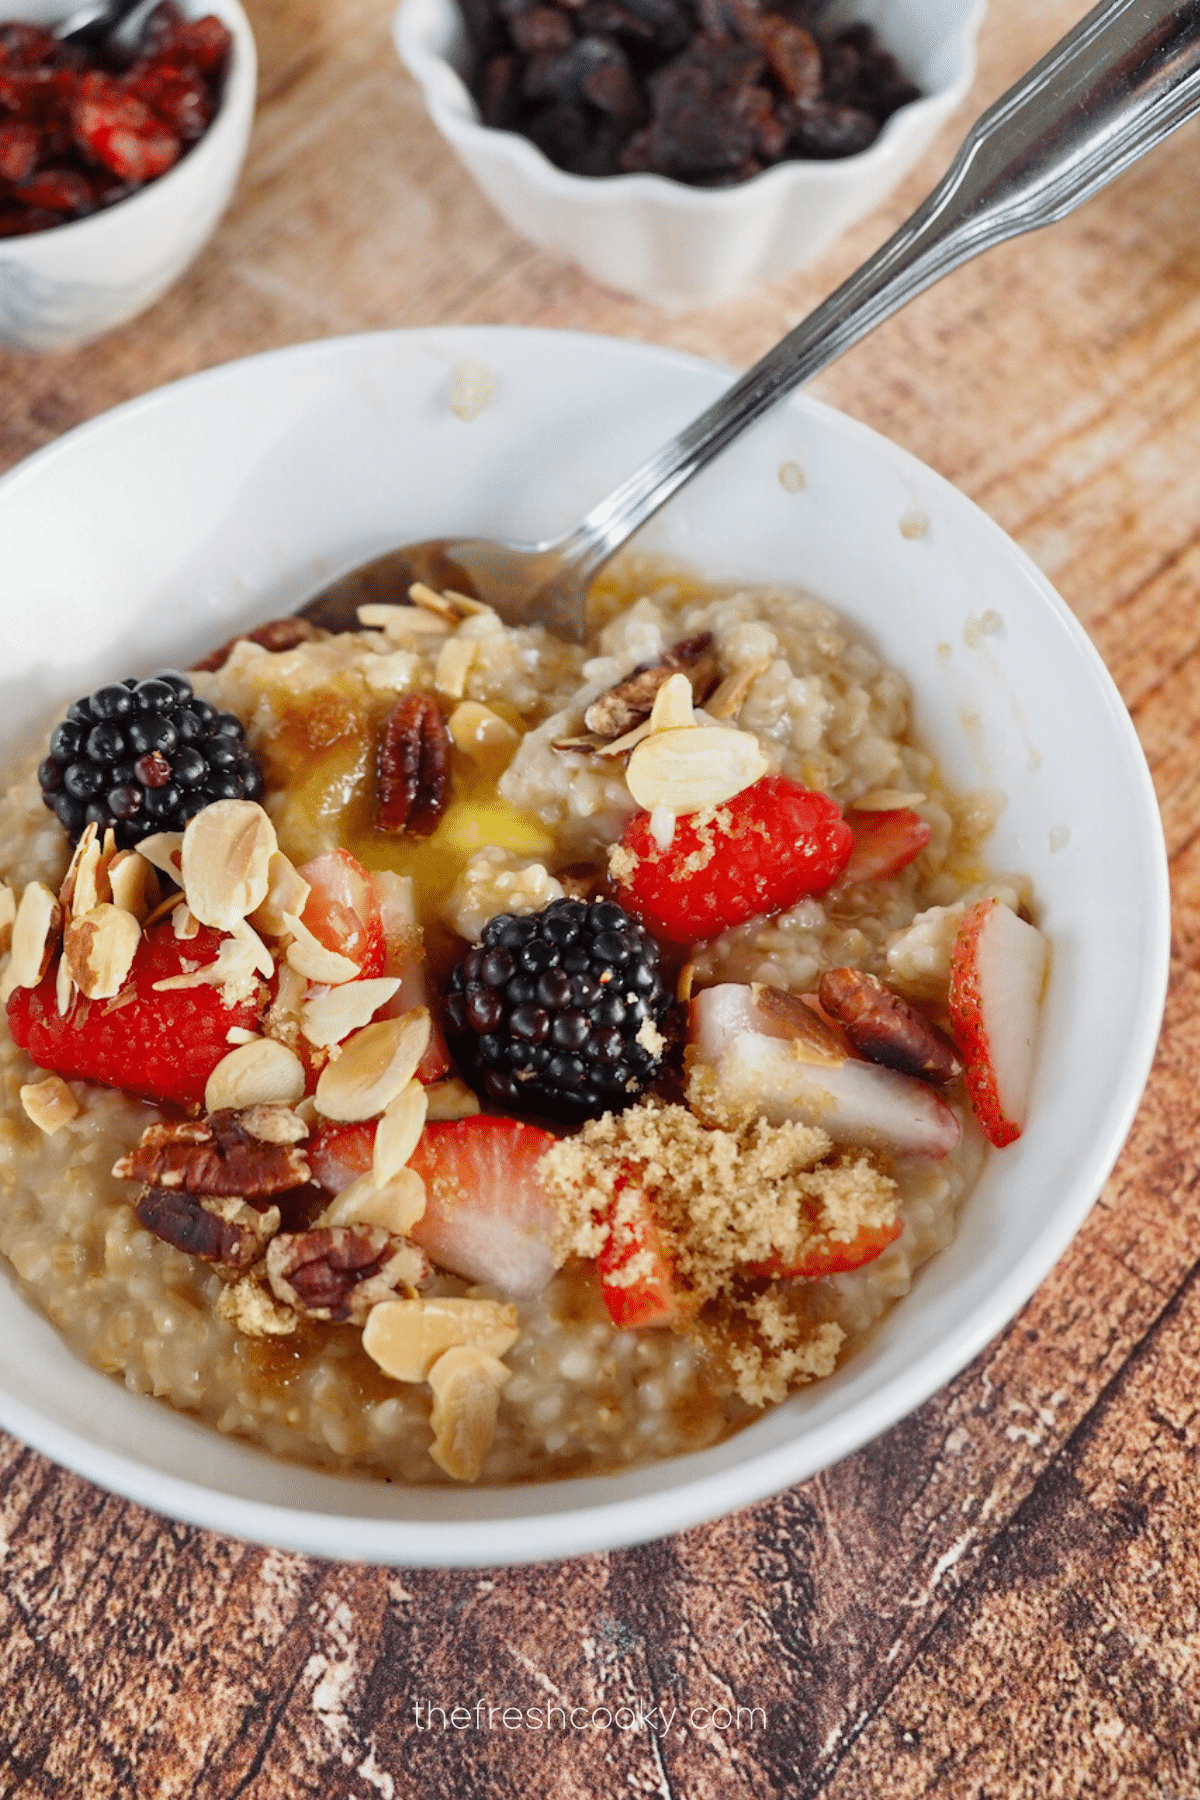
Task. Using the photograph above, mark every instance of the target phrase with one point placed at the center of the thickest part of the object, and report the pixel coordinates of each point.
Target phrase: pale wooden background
(1000, 1598)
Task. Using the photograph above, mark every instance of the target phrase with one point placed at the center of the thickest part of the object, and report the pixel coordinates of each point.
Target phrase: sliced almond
(673, 709)
(889, 800)
(263, 1073)
(401, 622)
(623, 745)
(37, 927)
(374, 1066)
(8, 912)
(728, 699)
(241, 959)
(466, 1387)
(449, 605)
(399, 1131)
(328, 1018)
(133, 884)
(226, 858)
(310, 958)
(64, 988)
(99, 948)
(454, 665)
(687, 771)
(274, 1124)
(481, 733)
(406, 1337)
(91, 881)
(50, 1104)
(396, 1205)
(164, 850)
(87, 848)
(287, 892)
(184, 922)
(450, 1099)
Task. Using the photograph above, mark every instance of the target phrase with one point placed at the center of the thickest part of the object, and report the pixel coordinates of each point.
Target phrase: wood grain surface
(1002, 1596)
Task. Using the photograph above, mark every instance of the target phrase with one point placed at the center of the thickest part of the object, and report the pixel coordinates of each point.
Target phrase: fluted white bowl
(64, 287)
(682, 246)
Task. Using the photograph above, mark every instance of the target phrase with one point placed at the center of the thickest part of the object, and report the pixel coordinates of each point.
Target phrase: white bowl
(157, 530)
(683, 246)
(63, 287)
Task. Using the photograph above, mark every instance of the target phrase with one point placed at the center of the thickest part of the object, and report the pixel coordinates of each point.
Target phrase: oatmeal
(445, 1053)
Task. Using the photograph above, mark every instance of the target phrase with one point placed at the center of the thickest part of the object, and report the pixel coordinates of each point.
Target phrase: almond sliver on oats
(50, 1104)
(328, 1018)
(225, 861)
(396, 1204)
(134, 883)
(264, 1072)
(37, 925)
(406, 1337)
(287, 892)
(310, 957)
(466, 1387)
(374, 1066)
(692, 769)
(162, 850)
(673, 707)
(399, 1132)
(99, 948)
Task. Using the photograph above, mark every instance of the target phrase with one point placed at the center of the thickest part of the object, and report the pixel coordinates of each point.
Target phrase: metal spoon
(117, 24)
(1109, 91)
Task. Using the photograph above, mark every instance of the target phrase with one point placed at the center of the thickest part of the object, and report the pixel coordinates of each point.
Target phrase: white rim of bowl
(232, 115)
(460, 124)
(679, 1502)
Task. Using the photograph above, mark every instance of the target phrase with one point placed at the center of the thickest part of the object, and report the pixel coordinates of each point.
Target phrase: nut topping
(328, 1018)
(692, 769)
(50, 1104)
(37, 926)
(481, 733)
(287, 892)
(134, 884)
(399, 1131)
(629, 703)
(276, 635)
(406, 1337)
(225, 861)
(313, 959)
(413, 768)
(395, 1204)
(339, 1272)
(450, 1099)
(812, 1038)
(251, 1154)
(216, 1229)
(886, 1029)
(466, 1385)
(374, 1066)
(99, 948)
(255, 1074)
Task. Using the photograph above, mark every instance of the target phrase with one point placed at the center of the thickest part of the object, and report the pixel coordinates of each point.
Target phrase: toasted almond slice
(310, 958)
(240, 960)
(99, 948)
(184, 922)
(673, 709)
(287, 892)
(454, 665)
(133, 883)
(401, 622)
(8, 912)
(225, 861)
(481, 733)
(448, 605)
(237, 1034)
(399, 1131)
(64, 987)
(91, 887)
(406, 1337)
(37, 926)
(274, 1124)
(623, 745)
(374, 1066)
(730, 696)
(164, 849)
(396, 1205)
(450, 1099)
(686, 771)
(328, 1018)
(889, 800)
(50, 1104)
(263, 1073)
(466, 1387)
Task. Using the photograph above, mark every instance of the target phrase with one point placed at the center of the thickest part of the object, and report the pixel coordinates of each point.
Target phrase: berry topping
(759, 852)
(558, 1010)
(997, 972)
(144, 756)
(486, 1214)
(160, 1044)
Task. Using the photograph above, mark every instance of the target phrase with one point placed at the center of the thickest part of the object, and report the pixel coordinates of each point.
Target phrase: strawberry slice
(758, 853)
(634, 1268)
(342, 911)
(869, 1242)
(884, 843)
(486, 1215)
(997, 973)
(163, 1046)
(339, 1154)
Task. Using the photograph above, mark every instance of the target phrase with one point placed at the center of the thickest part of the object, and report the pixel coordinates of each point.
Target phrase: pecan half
(338, 1272)
(886, 1029)
(413, 768)
(626, 705)
(230, 1153)
(275, 635)
(216, 1228)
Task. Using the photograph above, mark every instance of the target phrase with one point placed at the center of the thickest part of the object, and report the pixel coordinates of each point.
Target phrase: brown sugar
(729, 1196)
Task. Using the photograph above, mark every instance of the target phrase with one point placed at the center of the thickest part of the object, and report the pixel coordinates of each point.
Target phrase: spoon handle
(1112, 89)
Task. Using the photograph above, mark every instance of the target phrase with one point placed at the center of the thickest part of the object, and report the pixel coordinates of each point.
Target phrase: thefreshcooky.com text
(632, 1716)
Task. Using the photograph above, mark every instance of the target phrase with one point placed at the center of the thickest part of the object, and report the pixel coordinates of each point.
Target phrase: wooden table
(1002, 1596)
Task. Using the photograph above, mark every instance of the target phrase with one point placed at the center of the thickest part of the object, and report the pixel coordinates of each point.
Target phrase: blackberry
(144, 756)
(557, 1011)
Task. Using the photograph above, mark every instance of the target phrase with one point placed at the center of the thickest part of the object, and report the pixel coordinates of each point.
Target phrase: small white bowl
(683, 246)
(63, 287)
(158, 530)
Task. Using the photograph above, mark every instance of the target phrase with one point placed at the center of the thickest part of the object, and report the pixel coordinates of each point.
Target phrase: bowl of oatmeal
(264, 1299)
